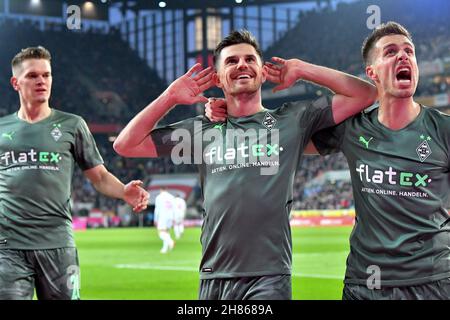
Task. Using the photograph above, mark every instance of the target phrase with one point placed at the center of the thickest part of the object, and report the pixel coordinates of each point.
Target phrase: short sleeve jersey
(247, 167)
(401, 186)
(36, 167)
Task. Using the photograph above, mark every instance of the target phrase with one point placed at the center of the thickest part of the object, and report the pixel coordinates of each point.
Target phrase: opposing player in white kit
(164, 218)
(180, 211)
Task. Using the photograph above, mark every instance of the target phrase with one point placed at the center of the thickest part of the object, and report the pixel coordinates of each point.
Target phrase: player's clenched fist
(216, 109)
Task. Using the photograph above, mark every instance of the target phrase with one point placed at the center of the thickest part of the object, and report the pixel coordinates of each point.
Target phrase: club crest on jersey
(269, 121)
(424, 150)
(56, 133)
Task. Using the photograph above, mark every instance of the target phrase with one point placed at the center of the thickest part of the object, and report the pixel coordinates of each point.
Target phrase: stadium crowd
(94, 82)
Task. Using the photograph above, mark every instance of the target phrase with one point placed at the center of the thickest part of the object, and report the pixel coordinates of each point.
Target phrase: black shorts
(436, 290)
(54, 273)
(276, 287)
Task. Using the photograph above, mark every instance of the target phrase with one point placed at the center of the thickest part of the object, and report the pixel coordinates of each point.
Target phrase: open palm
(284, 73)
(188, 88)
(136, 196)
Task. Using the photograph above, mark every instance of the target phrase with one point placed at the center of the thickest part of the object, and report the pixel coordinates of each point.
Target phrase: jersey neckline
(44, 120)
(250, 116)
(410, 125)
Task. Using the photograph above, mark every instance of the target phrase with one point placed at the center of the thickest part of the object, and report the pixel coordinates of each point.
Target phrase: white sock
(177, 231)
(165, 237)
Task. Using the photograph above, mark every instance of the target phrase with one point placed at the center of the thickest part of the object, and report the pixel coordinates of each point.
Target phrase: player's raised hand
(216, 109)
(284, 72)
(188, 88)
(135, 195)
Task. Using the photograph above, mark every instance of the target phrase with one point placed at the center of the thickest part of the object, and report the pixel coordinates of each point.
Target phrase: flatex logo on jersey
(229, 149)
(31, 159)
(390, 177)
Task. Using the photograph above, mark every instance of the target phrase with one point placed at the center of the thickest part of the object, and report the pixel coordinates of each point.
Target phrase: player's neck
(244, 104)
(34, 112)
(397, 113)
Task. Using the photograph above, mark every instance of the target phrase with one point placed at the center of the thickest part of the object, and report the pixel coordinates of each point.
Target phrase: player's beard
(402, 93)
(247, 89)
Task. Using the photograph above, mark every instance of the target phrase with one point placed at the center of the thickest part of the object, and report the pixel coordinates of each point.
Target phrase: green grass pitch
(126, 264)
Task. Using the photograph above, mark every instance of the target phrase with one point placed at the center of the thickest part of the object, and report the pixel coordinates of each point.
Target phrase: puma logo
(8, 135)
(219, 126)
(364, 141)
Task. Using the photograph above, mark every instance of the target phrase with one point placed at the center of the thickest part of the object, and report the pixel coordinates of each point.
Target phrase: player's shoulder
(187, 123)
(305, 105)
(365, 115)
(436, 117)
(434, 112)
(67, 117)
(6, 119)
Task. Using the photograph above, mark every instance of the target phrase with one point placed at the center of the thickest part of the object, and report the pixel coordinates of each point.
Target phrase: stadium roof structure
(194, 4)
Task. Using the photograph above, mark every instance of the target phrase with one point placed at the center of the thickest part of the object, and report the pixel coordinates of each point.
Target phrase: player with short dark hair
(247, 170)
(398, 154)
(39, 147)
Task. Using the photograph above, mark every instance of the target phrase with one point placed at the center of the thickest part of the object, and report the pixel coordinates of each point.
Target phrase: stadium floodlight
(35, 3)
(238, 1)
(88, 6)
(162, 4)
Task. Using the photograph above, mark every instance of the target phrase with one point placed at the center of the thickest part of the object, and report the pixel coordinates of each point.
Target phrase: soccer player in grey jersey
(246, 239)
(399, 159)
(39, 147)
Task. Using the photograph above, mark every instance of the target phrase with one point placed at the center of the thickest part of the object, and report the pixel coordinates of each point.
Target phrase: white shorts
(164, 224)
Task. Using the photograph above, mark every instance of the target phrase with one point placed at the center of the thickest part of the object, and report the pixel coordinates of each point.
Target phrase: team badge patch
(423, 150)
(56, 133)
(269, 121)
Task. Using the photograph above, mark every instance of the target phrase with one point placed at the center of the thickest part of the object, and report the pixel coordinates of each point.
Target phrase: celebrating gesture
(134, 140)
(189, 87)
(285, 73)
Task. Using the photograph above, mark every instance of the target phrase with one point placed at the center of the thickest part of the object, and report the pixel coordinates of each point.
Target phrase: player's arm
(106, 183)
(352, 94)
(134, 140)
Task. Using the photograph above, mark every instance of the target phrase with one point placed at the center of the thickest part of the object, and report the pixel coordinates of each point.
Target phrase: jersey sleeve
(85, 151)
(329, 140)
(309, 117)
(314, 116)
(165, 138)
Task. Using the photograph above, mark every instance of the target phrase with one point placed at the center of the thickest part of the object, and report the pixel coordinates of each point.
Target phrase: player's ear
(265, 71)
(371, 74)
(216, 79)
(14, 83)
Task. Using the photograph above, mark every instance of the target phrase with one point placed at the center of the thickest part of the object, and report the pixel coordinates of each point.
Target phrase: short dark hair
(30, 53)
(384, 29)
(237, 37)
